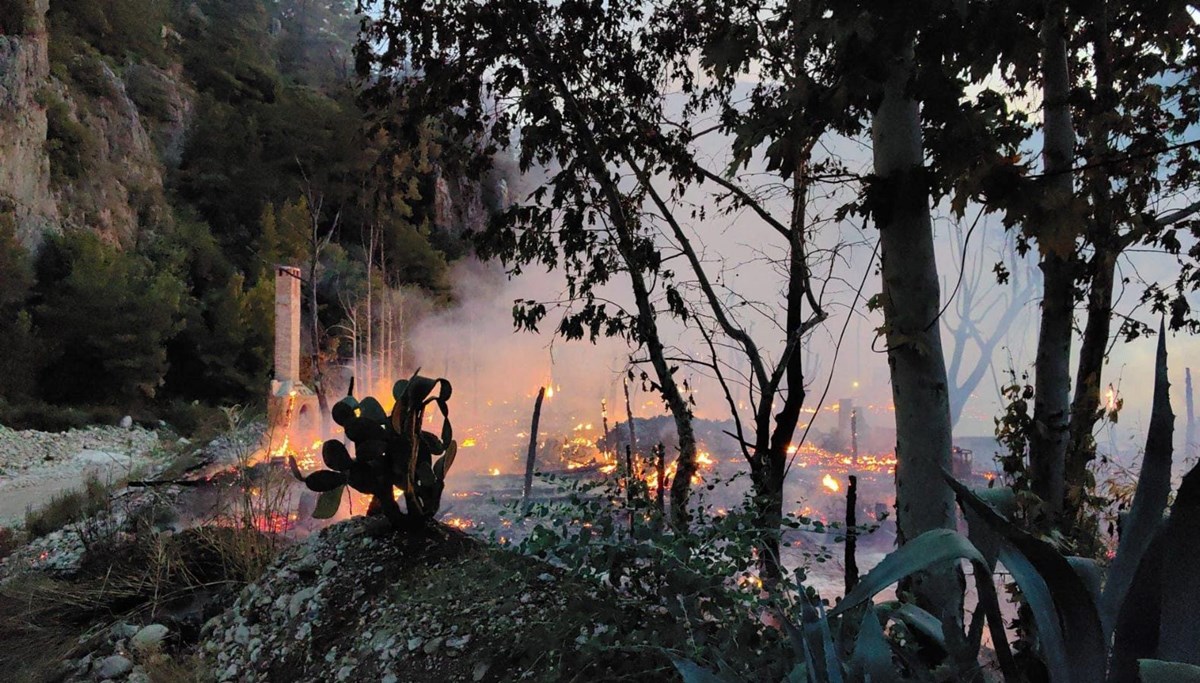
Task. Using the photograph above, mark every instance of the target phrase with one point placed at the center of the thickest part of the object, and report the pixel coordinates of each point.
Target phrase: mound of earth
(354, 604)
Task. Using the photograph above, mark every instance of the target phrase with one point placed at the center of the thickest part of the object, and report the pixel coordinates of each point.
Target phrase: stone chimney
(287, 326)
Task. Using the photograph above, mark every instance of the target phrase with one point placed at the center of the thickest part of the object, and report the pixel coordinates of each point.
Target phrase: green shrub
(87, 70)
(149, 91)
(70, 145)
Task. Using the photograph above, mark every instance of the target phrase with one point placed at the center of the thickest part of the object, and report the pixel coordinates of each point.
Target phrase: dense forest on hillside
(252, 111)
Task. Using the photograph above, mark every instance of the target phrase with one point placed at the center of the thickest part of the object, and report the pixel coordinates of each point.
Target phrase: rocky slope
(87, 111)
(351, 604)
(24, 162)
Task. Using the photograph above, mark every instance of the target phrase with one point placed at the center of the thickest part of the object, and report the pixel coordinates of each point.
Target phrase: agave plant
(1139, 622)
(391, 452)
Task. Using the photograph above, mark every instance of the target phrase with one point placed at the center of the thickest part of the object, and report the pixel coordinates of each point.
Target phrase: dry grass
(162, 668)
(68, 507)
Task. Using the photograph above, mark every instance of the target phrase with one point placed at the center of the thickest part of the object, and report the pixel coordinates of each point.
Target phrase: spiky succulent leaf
(328, 503)
(1067, 617)
(1158, 671)
(335, 455)
(324, 480)
(872, 657)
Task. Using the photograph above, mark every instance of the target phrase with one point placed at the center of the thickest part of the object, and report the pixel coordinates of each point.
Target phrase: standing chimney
(287, 328)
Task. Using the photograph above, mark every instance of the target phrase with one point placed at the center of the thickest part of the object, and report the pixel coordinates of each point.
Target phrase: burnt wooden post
(851, 533)
(533, 434)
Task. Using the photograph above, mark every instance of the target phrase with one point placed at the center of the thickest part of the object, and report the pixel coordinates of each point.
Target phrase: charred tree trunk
(851, 560)
(1056, 240)
(531, 458)
(899, 198)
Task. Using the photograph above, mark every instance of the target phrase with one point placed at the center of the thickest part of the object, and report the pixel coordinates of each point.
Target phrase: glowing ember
(459, 522)
(830, 483)
(494, 471)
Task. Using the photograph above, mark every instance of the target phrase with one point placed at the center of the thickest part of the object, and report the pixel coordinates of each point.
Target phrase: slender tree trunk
(370, 365)
(313, 312)
(1189, 442)
(629, 418)
(911, 306)
(1056, 240)
(1086, 406)
(531, 458)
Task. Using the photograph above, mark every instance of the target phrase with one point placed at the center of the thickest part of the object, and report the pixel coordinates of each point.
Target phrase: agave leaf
(692, 672)
(798, 674)
(1066, 614)
(328, 503)
(931, 548)
(1150, 496)
(324, 480)
(1091, 573)
(335, 455)
(872, 658)
(918, 620)
(1158, 671)
(828, 667)
(372, 410)
(1180, 629)
(800, 646)
(1136, 631)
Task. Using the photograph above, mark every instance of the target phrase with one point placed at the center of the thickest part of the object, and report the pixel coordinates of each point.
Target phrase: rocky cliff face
(118, 187)
(24, 165)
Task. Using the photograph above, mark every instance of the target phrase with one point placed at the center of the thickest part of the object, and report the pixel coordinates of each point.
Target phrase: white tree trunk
(911, 305)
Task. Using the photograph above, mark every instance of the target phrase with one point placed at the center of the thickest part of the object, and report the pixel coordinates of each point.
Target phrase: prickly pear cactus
(390, 452)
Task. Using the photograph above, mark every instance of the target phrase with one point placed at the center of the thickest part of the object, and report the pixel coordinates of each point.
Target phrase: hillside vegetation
(176, 151)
